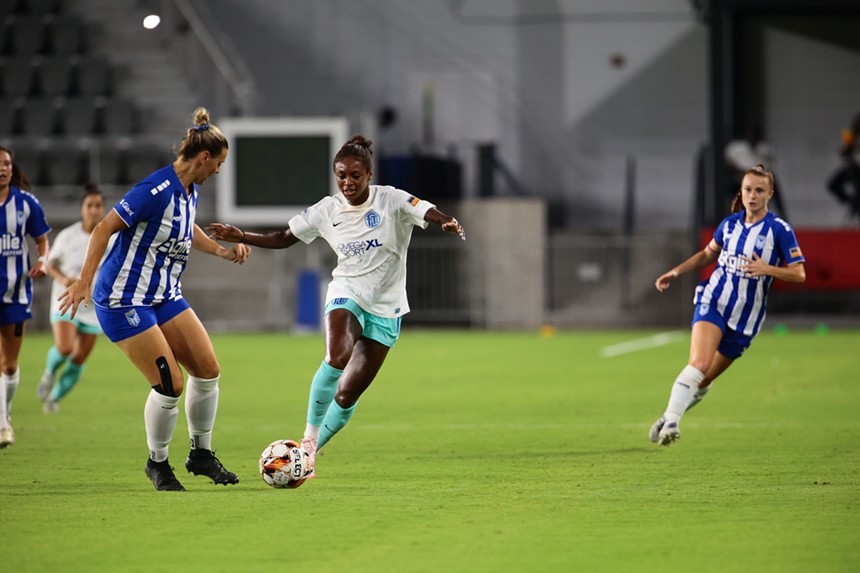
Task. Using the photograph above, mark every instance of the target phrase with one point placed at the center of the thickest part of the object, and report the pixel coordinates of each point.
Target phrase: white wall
(538, 77)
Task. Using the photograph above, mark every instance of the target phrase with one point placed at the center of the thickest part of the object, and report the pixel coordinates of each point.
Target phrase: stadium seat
(143, 160)
(7, 8)
(18, 75)
(8, 116)
(39, 117)
(66, 35)
(29, 159)
(55, 75)
(78, 117)
(93, 77)
(64, 165)
(38, 7)
(107, 164)
(27, 34)
(119, 117)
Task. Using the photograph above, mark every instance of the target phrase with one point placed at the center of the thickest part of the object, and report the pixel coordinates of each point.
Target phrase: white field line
(661, 339)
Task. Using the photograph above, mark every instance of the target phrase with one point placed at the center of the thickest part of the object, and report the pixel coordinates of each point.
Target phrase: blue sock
(67, 381)
(335, 419)
(323, 389)
(55, 360)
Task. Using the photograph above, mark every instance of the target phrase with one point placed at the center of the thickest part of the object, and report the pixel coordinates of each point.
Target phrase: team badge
(759, 242)
(372, 219)
(20, 217)
(703, 309)
(132, 317)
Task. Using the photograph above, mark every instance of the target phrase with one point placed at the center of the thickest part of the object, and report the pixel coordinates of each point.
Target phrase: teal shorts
(385, 331)
(82, 328)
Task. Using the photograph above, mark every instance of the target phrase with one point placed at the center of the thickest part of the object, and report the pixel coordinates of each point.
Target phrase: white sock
(12, 381)
(159, 417)
(699, 396)
(312, 432)
(201, 405)
(683, 391)
(3, 412)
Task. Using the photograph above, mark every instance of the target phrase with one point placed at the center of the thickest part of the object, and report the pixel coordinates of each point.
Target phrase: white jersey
(68, 251)
(371, 241)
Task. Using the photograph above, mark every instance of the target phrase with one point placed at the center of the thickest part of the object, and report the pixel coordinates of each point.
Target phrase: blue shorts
(125, 322)
(385, 331)
(80, 326)
(733, 343)
(14, 313)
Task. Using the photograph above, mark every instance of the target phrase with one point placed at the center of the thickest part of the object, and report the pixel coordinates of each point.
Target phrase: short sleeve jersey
(22, 215)
(68, 251)
(738, 297)
(371, 241)
(147, 260)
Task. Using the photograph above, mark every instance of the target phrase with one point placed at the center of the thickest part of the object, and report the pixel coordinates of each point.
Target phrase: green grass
(471, 452)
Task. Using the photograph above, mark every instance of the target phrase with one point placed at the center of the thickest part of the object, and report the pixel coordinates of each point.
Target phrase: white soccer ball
(284, 464)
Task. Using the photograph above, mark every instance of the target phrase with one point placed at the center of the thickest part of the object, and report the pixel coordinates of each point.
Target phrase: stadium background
(579, 142)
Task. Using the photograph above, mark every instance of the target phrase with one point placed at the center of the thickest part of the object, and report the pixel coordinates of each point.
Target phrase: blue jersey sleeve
(37, 224)
(787, 244)
(138, 204)
(720, 232)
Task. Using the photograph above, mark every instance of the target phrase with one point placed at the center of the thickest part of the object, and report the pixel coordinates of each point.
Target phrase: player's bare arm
(448, 223)
(756, 267)
(38, 269)
(269, 240)
(79, 291)
(238, 253)
(701, 259)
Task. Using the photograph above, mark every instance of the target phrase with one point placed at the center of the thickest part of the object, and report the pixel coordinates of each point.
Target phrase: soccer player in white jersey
(369, 228)
(74, 338)
(20, 215)
(752, 247)
(139, 304)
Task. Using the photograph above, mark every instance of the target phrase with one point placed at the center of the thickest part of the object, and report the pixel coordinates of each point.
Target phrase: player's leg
(718, 365)
(193, 349)
(83, 346)
(367, 358)
(11, 337)
(152, 356)
(704, 341)
(64, 340)
(343, 328)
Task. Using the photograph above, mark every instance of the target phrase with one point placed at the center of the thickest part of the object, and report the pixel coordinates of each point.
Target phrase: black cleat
(204, 463)
(162, 476)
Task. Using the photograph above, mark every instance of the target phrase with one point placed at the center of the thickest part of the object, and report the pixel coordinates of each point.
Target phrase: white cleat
(654, 432)
(310, 446)
(669, 433)
(50, 406)
(7, 435)
(46, 382)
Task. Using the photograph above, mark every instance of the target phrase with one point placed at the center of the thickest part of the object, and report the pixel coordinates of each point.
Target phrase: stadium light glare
(151, 21)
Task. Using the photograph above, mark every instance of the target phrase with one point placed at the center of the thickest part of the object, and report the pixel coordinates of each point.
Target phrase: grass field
(471, 452)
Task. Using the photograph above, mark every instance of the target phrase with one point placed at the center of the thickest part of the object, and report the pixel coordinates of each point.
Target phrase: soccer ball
(284, 464)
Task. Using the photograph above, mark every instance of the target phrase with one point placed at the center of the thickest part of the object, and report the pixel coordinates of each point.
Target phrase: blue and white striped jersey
(739, 298)
(144, 266)
(21, 215)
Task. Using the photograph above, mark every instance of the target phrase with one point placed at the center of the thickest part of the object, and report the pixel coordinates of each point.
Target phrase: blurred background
(586, 145)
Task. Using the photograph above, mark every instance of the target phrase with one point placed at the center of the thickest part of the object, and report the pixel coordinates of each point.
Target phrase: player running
(750, 247)
(369, 228)
(74, 338)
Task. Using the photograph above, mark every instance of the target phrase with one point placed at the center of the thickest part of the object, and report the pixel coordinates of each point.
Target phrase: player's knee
(345, 399)
(338, 357)
(170, 383)
(700, 364)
